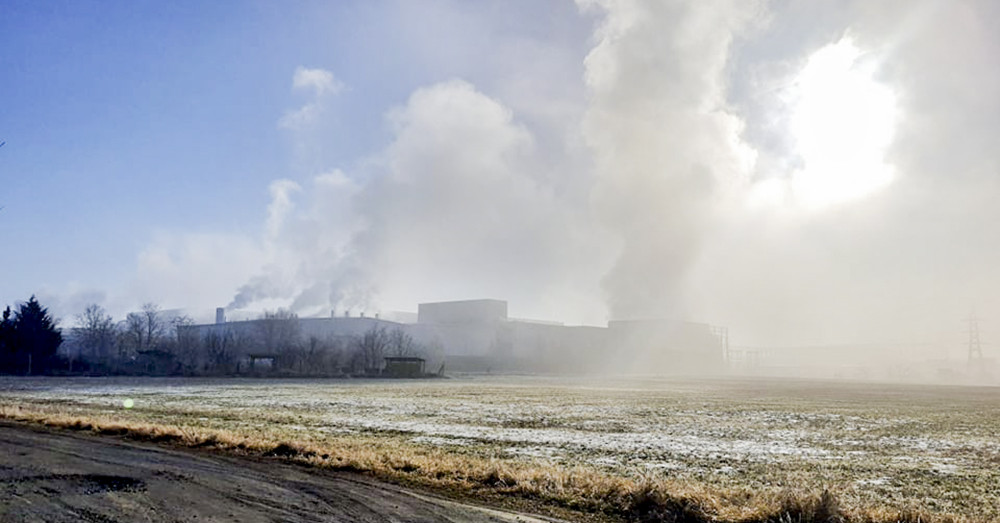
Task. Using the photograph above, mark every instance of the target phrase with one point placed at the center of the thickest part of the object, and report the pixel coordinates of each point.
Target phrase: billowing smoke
(641, 195)
(455, 206)
(305, 247)
(665, 144)
(462, 203)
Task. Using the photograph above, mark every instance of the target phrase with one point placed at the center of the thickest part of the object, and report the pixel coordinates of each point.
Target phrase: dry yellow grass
(585, 492)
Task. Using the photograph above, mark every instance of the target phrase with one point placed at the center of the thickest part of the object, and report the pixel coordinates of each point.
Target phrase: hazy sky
(804, 172)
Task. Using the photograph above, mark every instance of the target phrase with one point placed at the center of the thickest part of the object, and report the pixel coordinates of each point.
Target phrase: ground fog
(907, 447)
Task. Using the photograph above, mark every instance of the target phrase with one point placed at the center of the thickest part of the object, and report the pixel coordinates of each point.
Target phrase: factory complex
(478, 336)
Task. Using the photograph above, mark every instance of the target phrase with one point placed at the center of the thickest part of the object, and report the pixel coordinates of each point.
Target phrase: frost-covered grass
(881, 449)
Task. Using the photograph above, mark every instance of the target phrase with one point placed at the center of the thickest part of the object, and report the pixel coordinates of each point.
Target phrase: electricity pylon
(975, 347)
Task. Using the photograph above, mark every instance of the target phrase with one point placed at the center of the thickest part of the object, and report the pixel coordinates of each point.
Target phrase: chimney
(333, 313)
(220, 315)
(362, 314)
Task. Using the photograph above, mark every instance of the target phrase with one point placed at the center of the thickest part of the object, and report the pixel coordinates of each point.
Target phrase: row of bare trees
(147, 342)
(279, 333)
(377, 343)
(99, 344)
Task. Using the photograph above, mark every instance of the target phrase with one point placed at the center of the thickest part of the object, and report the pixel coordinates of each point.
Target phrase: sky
(802, 172)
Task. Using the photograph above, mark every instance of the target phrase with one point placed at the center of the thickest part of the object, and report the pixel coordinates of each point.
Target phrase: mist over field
(805, 174)
(729, 450)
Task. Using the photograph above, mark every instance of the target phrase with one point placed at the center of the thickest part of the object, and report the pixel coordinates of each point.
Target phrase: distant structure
(479, 336)
(975, 346)
(404, 367)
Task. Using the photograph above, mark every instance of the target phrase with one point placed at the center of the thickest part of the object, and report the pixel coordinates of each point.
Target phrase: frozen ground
(65, 477)
(932, 447)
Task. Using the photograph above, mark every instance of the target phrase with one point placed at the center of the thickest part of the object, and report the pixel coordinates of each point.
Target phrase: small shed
(262, 361)
(404, 367)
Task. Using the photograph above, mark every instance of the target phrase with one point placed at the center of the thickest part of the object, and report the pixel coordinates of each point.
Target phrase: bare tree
(336, 353)
(320, 356)
(130, 337)
(145, 329)
(220, 351)
(184, 344)
(372, 346)
(179, 329)
(96, 334)
(279, 334)
(153, 325)
(401, 344)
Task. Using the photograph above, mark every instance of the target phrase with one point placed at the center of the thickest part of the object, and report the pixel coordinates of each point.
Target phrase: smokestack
(347, 313)
(220, 315)
(333, 313)
(362, 314)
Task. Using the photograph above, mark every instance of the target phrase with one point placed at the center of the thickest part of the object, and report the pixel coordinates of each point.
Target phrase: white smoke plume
(665, 144)
(454, 206)
(641, 197)
(458, 205)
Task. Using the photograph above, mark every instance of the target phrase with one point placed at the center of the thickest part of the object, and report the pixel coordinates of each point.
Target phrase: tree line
(276, 340)
(149, 342)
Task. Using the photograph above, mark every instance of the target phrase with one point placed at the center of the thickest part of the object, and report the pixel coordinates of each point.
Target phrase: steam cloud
(664, 143)
(456, 196)
(460, 193)
(641, 201)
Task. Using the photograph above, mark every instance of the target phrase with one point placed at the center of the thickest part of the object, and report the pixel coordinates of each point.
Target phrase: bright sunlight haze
(842, 123)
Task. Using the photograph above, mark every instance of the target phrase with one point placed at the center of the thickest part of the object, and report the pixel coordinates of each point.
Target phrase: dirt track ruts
(62, 477)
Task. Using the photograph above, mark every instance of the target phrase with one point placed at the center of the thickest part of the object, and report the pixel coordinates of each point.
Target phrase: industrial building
(479, 336)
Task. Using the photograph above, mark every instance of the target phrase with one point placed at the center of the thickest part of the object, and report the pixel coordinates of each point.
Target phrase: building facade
(478, 335)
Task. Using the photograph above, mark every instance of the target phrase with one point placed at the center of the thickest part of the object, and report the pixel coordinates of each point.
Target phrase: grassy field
(726, 450)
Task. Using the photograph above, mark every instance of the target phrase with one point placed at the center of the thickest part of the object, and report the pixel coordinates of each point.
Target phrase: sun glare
(842, 123)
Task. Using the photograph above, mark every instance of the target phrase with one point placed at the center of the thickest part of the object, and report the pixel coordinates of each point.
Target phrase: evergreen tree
(36, 338)
(7, 352)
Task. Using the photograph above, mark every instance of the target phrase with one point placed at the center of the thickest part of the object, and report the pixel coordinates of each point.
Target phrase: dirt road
(62, 477)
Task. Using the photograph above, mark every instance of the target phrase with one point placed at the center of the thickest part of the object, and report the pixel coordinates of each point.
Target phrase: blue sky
(125, 118)
(796, 170)
(120, 119)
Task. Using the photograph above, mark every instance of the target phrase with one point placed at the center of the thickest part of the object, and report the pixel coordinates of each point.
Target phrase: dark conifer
(36, 338)
(7, 356)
